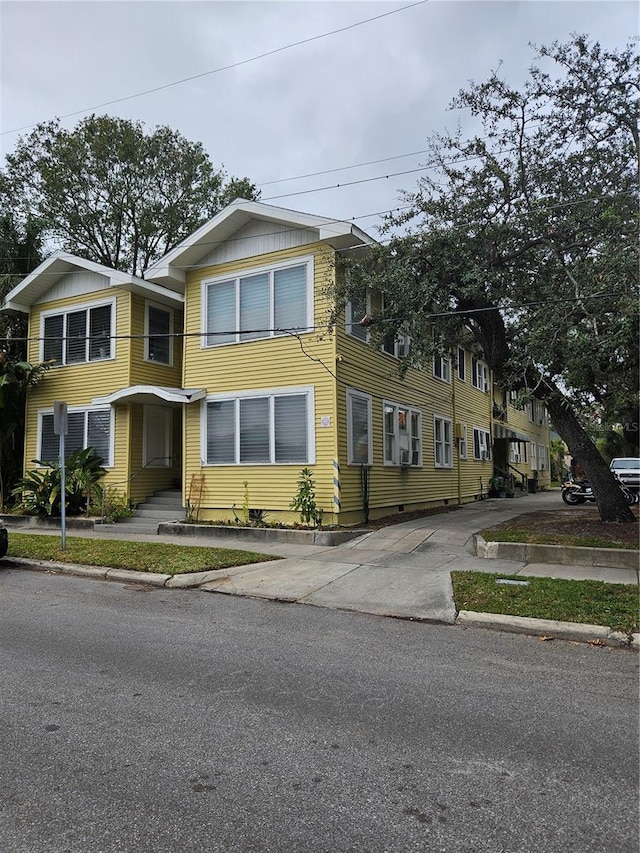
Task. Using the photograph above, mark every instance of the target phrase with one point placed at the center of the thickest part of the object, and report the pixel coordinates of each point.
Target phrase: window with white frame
(479, 374)
(262, 304)
(518, 452)
(442, 367)
(481, 444)
(462, 364)
(402, 435)
(442, 442)
(82, 334)
(359, 441)
(462, 441)
(158, 330)
(356, 310)
(271, 427)
(394, 344)
(534, 456)
(85, 428)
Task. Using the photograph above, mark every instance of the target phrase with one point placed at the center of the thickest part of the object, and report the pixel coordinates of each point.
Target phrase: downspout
(457, 440)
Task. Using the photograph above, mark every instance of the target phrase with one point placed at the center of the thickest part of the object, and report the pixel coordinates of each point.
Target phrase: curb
(564, 555)
(599, 635)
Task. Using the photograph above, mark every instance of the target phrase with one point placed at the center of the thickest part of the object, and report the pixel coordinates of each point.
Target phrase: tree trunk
(611, 503)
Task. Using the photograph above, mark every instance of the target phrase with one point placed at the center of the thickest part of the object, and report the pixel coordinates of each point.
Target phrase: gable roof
(49, 272)
(170, 270)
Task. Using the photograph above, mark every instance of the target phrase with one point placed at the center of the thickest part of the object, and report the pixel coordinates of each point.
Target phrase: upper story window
(442, 367)
(479, 374)
(356, 310)
(82, 334)
(262, 304)
(85, 428)
(462, 364)
(158, 330)
(402, 435)
(396, 345)
(359, 443)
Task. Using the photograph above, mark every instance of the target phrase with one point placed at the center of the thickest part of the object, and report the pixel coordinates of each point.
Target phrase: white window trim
(351, 392)
(289, 391)
(481, 374)
(462, 443)
(411, 410)
(443, 419)
(307, 260)
(487, 435)
(444, 360)
(107, 463)
(159, 307)
(350, 321)
(71, 309)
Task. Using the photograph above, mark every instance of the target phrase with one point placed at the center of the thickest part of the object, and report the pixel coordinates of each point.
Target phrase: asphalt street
(146, 719)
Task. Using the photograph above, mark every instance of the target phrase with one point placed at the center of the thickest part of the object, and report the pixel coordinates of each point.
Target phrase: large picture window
(442, 439)
(359, 443)
(263, 304)
(78, 336)
(402, 435)
(86, 428)
(260, 428)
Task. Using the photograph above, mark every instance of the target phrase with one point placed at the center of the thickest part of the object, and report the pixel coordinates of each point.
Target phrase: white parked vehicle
(627, 470)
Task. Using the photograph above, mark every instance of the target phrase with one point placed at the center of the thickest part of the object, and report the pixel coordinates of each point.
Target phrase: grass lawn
(139, 556)
(534, 537)
(591, 602)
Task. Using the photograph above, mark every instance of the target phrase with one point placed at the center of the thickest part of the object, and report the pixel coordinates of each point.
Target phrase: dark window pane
(98, 434)
(53, 327)
(100, 332)
(49, 441)
(159, 328)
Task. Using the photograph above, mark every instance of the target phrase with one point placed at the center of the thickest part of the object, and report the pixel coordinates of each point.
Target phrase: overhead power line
(238, 64)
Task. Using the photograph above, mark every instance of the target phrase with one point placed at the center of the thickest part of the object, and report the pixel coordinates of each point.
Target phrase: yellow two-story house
(224, 370)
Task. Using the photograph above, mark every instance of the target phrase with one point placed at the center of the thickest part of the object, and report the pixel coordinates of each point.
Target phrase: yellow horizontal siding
(150, 372)
(271, 363)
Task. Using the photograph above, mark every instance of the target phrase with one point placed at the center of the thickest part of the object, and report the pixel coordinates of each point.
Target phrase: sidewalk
(403, 570)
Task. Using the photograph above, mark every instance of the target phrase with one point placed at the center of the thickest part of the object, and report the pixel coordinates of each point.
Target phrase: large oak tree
(526, 237)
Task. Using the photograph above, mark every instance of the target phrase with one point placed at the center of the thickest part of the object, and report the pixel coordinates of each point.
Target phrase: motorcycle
(578, 492)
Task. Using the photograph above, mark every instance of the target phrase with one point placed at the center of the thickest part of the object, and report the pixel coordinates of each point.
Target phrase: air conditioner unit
(484, 455)
(516, 457)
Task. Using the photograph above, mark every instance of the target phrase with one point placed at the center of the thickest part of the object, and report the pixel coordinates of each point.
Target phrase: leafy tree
(526, 239)
(113, 193)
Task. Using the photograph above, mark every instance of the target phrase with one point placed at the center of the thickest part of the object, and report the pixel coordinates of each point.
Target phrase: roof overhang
(151, 394)
(35, 286)
(502, 431)
(170, 270)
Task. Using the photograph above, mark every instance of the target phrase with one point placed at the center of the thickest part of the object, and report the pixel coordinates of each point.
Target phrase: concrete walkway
(403, 570)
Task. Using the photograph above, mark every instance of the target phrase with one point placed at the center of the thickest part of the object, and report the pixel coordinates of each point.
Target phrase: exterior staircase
(165, 505)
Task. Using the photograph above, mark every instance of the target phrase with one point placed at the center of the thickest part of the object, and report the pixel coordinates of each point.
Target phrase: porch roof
(502, 431)
(152, 394)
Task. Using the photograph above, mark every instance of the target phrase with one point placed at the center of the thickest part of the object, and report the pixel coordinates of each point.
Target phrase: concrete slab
(286, 580)
(579, 573)
(491, 567)
(404, 592)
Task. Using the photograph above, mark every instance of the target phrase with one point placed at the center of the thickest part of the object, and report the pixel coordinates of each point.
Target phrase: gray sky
(373, 91)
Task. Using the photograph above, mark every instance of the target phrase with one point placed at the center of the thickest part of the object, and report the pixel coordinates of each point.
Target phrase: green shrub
(38, 492)
(305, 499)
(110, 504)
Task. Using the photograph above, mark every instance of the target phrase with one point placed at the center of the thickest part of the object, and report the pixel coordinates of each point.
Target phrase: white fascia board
(169, 395)
(157, 291)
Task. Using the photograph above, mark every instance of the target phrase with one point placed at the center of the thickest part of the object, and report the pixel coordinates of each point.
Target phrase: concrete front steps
(162, 506)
